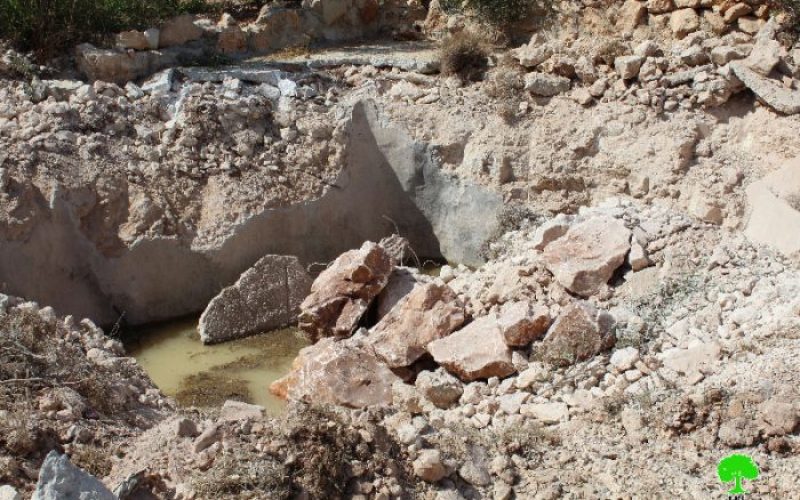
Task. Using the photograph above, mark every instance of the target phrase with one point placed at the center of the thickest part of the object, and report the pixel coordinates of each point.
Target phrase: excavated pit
(389, 183)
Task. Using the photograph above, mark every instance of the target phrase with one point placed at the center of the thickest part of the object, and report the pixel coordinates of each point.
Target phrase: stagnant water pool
(202, 375)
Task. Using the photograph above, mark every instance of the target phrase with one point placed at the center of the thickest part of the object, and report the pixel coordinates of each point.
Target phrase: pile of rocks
(703, 66)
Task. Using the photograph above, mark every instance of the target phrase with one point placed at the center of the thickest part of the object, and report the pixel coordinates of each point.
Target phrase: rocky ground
(636, 319)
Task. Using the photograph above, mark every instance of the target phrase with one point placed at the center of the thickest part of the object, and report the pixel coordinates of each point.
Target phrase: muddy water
(200, 375)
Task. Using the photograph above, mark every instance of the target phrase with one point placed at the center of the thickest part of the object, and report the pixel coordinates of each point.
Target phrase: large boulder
(342, 293)
(277, 28)
(477, 351)
(774, 206)
(768, 90)
(60, 480)
(585, 258)
(179, 30)
(265, 297)
(401, 282)
(112, 65)
(430, 312)
(523, 322)
(580, 332)
(339, 372)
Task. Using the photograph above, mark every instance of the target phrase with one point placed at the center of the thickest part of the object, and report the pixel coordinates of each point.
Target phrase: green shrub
(46, 26)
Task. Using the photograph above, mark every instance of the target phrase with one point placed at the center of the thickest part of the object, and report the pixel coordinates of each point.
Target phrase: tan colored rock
(715, 22)
(232, 41)
(429, 466)
(586, 257)
(234, 411)
(627, 67)
(523, 322)
(339, 372)
(580, 332)
(631, 15)
(774, 207)
(547, 413)
(660, 6)
(265, 297)
(551, 230)
(277, 28)
(769, 90)
(430, 312)
(766, 54)
(684, 21)
(401, 282)
(179, 30)
(440, 388)
(779, 417)
(750, 24)
(342, 293)
(477, 351)
(112, 65)
(738, 10)
(132, 40)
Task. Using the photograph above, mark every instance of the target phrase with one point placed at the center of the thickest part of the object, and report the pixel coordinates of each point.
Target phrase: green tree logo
(735, 468)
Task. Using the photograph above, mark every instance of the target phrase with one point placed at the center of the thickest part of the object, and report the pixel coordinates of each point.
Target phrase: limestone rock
(545, 85)
(779, 417)
(774, 206)
(430, 312)
(523, 322)
(660, 6)
(580, 332)
(429, 466)
(724, 54)
(631, 15)
(628, 67)
(624, 359)
(475, 352)
(342, 293)
(770, 91)
(586, 257)
(60, 480)
(265, 297)
(401, 282)
(734, 12)
(637, 258)
(339, 372)
(766, 54)
(232, 41)
(551, 230)
(132, 40)
(179, 30)
(547, 413)
(684, 21)
(233, 411)
(440, 388)
(9, 493)
(277, 28)
(206, 438)
(533, 54)
(112, 65)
